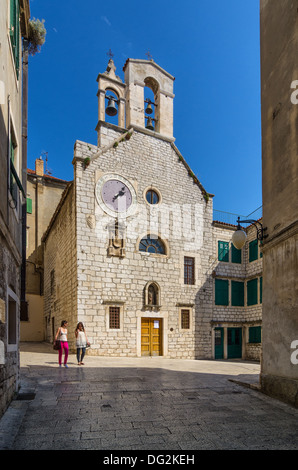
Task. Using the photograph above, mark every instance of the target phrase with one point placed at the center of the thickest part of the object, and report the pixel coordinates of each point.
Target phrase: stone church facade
(131, 249)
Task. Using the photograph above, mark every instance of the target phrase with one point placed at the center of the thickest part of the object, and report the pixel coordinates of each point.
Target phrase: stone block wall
(9, 285)
(60, 279)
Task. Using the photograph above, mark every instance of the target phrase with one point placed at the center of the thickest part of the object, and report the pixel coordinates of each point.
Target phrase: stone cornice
(283, 235)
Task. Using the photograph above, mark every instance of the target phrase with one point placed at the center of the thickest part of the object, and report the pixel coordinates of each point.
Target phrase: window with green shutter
(15, 32)
(13, 187)
(255, 334)
(237, 293)
(236, 255)
(29, 205)
(253, 250)
(223, 251)
(221, 292)
(252, 292)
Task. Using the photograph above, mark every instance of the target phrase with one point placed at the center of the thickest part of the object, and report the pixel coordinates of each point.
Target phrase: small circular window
(152, 197)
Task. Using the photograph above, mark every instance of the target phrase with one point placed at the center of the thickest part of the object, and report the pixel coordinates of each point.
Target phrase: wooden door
(151, 337)
(219, 343)
(234, 343)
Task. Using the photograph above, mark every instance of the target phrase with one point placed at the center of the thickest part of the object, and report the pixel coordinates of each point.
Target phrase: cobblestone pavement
(152, 404)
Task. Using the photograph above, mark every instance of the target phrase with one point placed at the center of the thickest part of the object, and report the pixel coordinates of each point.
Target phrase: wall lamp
(239, 236)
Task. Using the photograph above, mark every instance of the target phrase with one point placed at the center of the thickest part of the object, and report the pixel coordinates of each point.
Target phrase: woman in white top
(81, 342)
(62, 336)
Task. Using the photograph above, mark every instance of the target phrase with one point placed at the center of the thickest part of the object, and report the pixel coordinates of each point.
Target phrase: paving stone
(207, 412)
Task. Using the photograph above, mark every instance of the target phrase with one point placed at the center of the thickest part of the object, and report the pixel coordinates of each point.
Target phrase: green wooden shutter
(29, 205)
(237, 293)
(252, 292)
(12, 183)
(12, 26)
(15, 32)
(223, 251)
(236, 255)
(221, 292)
(253, 250)
(261, 290)
(11, 149)
(255, 335)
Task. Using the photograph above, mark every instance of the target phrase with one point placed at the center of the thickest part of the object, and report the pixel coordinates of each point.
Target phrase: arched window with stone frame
(152, 243)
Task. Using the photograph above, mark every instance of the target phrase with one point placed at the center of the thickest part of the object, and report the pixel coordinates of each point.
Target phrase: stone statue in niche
(116, 239)
(152, 296)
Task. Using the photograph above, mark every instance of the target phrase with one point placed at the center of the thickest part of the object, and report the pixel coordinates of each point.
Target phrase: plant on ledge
(36, 36)
(87, 162)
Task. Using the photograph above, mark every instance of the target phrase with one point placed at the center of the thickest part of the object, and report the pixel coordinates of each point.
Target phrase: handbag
(57, 345)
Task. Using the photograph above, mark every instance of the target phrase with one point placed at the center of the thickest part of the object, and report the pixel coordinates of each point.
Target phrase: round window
(152, 197)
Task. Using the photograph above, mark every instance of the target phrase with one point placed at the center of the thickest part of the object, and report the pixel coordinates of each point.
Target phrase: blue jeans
(79, 353)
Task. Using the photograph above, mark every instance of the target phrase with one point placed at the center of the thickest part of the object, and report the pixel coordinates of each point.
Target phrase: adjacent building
(43, 195)
(279, 44)
(238, 291)
(14, 18)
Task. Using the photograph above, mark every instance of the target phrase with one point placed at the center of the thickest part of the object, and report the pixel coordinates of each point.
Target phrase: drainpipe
(8, 160)
(24, 304)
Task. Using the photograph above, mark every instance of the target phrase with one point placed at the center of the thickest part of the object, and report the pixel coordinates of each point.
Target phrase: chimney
(39, 166)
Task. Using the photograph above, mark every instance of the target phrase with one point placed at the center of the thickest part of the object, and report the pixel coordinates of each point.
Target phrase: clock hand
(121, 193)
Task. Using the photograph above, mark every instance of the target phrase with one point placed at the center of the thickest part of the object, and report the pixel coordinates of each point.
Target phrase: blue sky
(212, 50)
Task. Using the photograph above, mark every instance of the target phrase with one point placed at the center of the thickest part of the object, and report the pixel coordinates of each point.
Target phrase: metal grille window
(185, 319)
(114, 318)
(189, 270)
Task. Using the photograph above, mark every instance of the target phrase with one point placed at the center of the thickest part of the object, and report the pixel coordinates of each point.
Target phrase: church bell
(149, 124)
(148, 110)
(111, 109)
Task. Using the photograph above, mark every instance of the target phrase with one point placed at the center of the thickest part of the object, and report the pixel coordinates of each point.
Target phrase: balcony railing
(231, 219)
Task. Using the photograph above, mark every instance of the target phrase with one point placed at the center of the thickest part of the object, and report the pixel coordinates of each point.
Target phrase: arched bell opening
(111, 107)
(151, 97)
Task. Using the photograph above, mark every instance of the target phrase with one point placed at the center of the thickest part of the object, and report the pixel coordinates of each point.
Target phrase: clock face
(116, 195)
